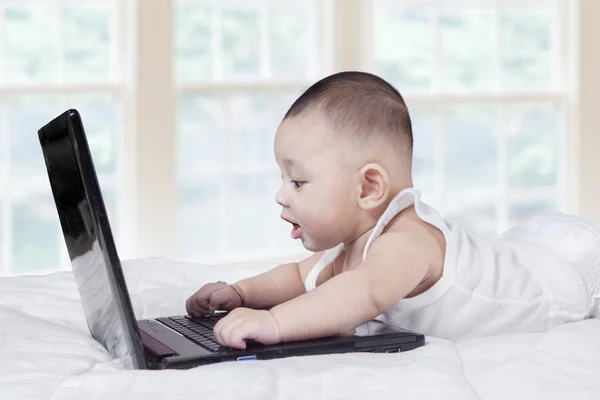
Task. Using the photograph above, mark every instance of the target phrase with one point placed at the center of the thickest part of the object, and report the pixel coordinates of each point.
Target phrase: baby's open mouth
(296, 231)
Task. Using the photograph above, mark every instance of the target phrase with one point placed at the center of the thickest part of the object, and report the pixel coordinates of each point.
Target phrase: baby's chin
(315, 246)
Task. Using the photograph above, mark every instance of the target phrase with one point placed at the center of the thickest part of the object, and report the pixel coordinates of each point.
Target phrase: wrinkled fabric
(46, 352)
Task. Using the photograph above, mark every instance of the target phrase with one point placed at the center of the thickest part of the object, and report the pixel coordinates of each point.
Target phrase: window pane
(4, 41)
(198, 219)
(26, 115)
(37, 243)
(252, 142)
(193, 35)
(208, 146)
(240, 43)
(467, 51)
(250, 206)
(534, 137)
(31, 43)
(103, 123)
(528, 50)
(520, 211)
(200, 134)
(471, 147)
(88, 39)
(403, 45)
(28, 175)
(289, 36)
(242, 40)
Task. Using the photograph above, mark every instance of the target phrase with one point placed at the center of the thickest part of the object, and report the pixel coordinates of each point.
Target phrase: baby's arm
(279, 284)
(266, 290)
(395, 265)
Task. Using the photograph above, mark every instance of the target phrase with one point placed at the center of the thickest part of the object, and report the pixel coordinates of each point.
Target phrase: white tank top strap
(400, 202)
(328, 257)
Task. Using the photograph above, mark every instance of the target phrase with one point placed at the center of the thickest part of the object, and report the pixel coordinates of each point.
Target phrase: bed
(46, 352)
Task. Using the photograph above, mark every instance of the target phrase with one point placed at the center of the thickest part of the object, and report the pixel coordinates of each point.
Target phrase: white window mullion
(41, 89)
(265, 48)
(439, 157)
(502, 170)
(555, 98)
(117, 46)
(318, 23)
(225, 181)
(59, 43)
(216, 42)
(150, 110)
(221, 86)
(502, 205)
(6, 221)
(557, 33)
(436, 60)
(498, 70)
(3, 46)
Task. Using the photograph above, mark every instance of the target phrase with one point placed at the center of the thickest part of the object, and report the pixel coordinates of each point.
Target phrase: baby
(345, 153)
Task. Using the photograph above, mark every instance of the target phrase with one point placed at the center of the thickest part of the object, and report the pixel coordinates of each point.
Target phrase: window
(181, 99)
(485, 86)
(239, 65)
(43, 72)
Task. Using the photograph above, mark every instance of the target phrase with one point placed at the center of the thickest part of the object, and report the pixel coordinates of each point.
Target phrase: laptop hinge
(154, 347)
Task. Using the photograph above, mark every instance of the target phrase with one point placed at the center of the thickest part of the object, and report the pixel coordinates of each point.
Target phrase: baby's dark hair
(361, 103)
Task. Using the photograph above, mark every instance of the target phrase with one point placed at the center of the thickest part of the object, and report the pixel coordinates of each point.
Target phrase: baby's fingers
(196, 306)
(230, 332)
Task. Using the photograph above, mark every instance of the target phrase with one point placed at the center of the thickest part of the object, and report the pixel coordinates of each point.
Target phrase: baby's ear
(374, 186)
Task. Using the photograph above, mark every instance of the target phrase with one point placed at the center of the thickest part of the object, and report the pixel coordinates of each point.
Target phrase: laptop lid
(89, 240)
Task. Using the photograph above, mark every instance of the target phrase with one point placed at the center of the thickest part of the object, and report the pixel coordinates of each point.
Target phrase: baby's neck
(354, 249)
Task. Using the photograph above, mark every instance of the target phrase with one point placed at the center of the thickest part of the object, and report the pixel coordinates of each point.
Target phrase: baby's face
(319, 187)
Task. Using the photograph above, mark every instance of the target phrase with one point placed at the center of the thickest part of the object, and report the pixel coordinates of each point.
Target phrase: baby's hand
(245, 323)
(212, 297)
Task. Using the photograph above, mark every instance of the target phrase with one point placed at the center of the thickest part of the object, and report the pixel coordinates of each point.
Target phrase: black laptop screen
(88, 238)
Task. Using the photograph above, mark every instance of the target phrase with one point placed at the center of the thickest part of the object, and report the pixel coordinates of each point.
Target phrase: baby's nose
(280, 199)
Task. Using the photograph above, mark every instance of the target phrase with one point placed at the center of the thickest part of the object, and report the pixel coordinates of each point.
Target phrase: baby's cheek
(329, 224)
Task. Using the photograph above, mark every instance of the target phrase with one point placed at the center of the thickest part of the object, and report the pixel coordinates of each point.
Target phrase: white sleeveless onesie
(539, 274)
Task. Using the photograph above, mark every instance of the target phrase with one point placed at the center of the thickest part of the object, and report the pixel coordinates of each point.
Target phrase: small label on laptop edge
(246, 358)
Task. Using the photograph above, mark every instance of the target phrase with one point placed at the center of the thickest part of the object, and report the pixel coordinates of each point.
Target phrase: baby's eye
(298, 184)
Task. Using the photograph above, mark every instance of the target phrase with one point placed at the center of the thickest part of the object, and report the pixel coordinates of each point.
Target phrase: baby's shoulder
(407, 227)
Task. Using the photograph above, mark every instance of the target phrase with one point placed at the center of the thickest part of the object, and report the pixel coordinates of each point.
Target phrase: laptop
(170, 342)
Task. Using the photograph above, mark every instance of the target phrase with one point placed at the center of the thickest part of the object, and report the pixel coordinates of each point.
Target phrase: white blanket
(46, 352)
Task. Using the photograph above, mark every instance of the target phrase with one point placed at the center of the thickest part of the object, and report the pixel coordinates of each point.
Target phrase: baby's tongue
(296, 231)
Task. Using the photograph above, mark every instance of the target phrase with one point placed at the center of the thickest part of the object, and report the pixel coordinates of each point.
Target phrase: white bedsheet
(46, 352)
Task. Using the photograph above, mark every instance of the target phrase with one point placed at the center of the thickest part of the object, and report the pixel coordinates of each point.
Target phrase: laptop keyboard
(198, 330)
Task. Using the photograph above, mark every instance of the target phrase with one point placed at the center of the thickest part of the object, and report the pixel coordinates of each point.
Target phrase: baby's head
(344, 149)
